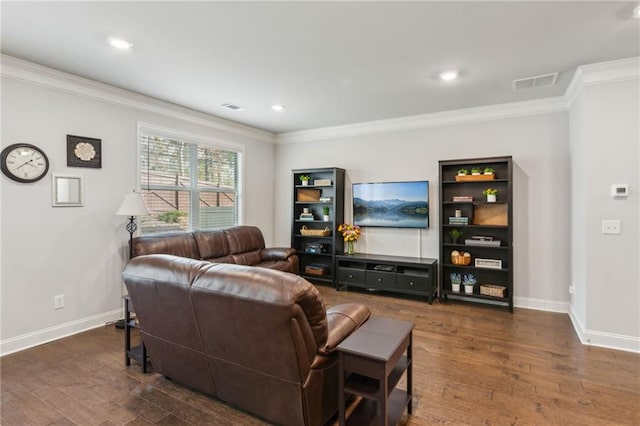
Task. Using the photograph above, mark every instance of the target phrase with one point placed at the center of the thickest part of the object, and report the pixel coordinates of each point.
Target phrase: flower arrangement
(350, 234)
(490, 191)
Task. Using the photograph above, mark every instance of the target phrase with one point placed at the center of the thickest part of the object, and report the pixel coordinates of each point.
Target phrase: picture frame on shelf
(488, 263)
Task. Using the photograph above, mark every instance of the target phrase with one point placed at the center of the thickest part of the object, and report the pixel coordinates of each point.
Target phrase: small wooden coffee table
(372, 361)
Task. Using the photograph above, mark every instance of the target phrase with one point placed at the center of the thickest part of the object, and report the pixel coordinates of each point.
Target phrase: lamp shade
(133, 205)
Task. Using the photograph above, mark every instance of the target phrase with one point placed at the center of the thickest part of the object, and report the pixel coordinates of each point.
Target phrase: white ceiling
(329, 63)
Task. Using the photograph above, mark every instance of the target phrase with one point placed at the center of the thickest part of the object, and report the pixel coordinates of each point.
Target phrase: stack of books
(463, 199)
(306, 216)
(458, 220)
(479, 240)
(325, 199)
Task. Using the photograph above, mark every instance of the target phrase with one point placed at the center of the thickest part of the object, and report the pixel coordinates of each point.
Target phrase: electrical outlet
(572, 289)
(611, 227)
(58, 302)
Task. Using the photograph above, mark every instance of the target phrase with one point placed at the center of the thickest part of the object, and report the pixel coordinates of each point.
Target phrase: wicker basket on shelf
(315, 232)
(493, 290)
(460, 257)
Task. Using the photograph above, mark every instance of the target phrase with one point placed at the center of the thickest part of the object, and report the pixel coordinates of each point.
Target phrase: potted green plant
(476, 170)
(304, 179)
(456, 280)
(455, 234)
(469, 281)
(489, 170)
(325, 213)
(491, 195)
(463, 172)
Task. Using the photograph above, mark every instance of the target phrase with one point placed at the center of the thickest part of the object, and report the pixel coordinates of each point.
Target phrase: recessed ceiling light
(448, 75)
(636, 12)
(119, 43)
(277, 107)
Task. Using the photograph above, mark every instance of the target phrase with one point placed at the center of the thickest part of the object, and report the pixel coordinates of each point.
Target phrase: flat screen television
(391, 204)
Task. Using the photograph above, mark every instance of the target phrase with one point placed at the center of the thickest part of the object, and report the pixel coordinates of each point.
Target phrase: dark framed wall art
(84, 152)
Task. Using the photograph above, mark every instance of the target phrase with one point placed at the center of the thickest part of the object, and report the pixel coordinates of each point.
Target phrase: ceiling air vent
(233, 107)
(537, 81)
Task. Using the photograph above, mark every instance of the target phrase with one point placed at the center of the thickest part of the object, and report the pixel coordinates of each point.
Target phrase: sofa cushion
(211, 244)
(250, 258)
(243, 239)
(177, 244)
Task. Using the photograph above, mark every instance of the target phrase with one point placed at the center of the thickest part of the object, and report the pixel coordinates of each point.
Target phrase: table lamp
(132, 206)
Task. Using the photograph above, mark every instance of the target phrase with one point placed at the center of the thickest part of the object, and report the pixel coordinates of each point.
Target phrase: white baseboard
(36, 338)
(541, 304)
(602, 339)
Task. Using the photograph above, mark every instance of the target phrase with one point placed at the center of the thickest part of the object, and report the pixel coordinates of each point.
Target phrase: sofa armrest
(342, 321)
(277, 253)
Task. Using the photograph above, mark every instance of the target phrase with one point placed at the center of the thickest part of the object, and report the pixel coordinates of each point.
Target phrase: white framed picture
(488, 263)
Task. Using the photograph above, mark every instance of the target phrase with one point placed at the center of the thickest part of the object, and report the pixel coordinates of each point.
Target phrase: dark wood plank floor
(473, 365)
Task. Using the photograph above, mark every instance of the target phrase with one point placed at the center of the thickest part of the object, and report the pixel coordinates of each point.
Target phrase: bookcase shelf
(332, 244)
(489, 220)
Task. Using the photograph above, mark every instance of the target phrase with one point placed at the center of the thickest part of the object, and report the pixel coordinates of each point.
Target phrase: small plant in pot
(489, 170)
(325, 214)
(456, 280)
(305, 179)
(455, 234)
(469, 281)
(491, 195)
(476, 170)
(463, 172)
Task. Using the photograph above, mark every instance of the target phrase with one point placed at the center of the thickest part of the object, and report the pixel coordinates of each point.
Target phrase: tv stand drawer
(377, 279)
(351, 276)
(412, 282)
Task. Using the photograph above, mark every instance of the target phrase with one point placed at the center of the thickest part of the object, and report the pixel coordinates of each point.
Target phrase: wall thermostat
(619, 191)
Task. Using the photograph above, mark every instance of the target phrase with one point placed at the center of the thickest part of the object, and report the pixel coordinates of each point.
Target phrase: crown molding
(602, 73)
(29, 72)
(454, 117)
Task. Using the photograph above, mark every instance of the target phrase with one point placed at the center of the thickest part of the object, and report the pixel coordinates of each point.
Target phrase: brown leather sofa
(243, 245)
(258, 339)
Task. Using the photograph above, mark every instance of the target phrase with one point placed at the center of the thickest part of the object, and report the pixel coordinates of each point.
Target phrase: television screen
(391, 204)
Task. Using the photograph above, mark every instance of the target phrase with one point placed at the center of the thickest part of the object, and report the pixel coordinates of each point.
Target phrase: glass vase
(351, 247)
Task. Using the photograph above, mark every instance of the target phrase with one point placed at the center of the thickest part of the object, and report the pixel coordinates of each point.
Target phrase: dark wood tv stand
(398, 274)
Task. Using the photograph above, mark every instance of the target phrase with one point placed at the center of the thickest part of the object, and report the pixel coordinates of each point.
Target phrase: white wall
(539, 145)
(79, 252)
(606, 150)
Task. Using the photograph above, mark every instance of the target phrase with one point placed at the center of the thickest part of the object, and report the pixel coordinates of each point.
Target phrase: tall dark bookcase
(488, 235)
(317, 253)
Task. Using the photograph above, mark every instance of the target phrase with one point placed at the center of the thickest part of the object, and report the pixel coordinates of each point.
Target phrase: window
(187, 186)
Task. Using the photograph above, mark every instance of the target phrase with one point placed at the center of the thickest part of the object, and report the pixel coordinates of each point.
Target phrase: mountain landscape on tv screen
(391, 213)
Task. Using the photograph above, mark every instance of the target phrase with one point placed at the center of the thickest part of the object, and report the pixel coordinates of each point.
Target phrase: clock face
(24, 163)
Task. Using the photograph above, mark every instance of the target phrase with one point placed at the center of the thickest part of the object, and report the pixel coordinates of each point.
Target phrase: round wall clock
(24, 162)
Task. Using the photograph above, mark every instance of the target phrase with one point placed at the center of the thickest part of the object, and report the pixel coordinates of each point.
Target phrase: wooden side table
(139, 352)
(371, 362)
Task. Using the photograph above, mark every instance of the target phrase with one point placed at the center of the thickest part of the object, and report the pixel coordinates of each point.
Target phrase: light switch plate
(611, 227)
(619, 190)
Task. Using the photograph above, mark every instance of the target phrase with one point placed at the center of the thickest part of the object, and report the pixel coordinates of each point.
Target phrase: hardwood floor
(472, 365)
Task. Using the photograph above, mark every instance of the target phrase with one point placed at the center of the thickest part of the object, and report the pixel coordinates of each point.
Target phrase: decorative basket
(316, 232)
(493, 290)
(459, 258)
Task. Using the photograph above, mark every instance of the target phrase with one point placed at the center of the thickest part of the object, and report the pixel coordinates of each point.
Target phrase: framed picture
(84, 152)
(488, 263)
(66, 191)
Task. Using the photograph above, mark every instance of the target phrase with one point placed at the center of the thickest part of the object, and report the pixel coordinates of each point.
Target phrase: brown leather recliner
(243, 245)
(258, 339)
